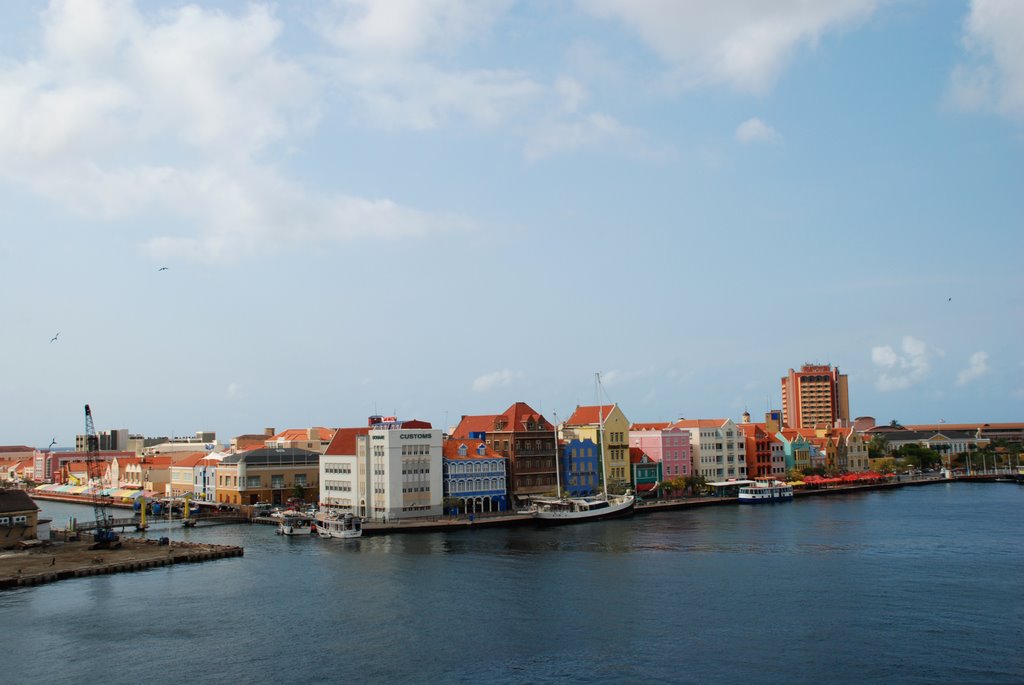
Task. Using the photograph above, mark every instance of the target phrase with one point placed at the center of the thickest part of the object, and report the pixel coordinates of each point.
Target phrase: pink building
(662, 442)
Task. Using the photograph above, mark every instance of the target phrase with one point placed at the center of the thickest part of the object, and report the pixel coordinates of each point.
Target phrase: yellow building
(586, 422)
(268, 475)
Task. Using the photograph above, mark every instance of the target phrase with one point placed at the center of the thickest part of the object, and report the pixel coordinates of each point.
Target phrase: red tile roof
(344, 441)
(514, 419)
(450, 449)
(297, 434)
(16, 448)
(699, 423)
(483, 423)
(636, 455)
(589, 416)
(655, 426)
(191, 459)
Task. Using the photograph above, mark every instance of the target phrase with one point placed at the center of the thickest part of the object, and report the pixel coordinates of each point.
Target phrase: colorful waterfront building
(183, 474)
(526, 439)
(816, 395)
(205, 474)
(664, 443)
(613, 444)
(797, 449)
(268, 475)
(646, 473)
(386, 471)
(474, 478)
(719, 449)
(315, 439)
(758, 448)
(579, 467)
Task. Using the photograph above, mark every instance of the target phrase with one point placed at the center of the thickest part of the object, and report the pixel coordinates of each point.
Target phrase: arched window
(462, 450)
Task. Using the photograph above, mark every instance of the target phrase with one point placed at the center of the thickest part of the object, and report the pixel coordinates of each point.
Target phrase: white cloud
(743, 43)
(906, 368)
(495, 379)
(992, 76)
(756, 131)
(170, 115)
(977, 366)
(400, 29)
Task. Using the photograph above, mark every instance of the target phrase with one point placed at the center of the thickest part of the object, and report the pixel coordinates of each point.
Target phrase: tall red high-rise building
(816, 395)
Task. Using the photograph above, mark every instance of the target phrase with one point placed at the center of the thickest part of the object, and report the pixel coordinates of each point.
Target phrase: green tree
(878, 447)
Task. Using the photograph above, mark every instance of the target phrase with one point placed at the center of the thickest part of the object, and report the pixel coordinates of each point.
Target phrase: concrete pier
(63, 560)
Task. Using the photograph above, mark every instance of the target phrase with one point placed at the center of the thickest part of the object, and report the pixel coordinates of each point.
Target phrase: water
(919, 585)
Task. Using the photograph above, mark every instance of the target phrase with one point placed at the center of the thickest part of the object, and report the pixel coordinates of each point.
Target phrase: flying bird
(55, 337)
(162, 268)
(951, 299)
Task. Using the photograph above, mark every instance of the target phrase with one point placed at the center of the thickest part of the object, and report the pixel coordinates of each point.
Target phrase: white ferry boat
(332, 524)
(766, 491)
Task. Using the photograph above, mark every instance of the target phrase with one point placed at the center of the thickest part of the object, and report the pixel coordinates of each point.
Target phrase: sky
(432, 208)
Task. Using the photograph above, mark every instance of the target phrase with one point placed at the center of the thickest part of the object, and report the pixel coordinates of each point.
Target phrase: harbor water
(916, 585)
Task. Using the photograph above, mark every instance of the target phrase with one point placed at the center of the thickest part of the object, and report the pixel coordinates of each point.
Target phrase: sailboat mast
(600, 433)
(558, 457)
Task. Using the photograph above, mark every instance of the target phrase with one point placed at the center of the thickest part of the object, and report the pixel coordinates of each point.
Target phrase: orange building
(816, 395)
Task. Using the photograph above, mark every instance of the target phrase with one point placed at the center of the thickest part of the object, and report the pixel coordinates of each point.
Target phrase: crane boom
(105, 536)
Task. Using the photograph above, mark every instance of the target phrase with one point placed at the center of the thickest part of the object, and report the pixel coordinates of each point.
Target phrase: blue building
(474, 478)
(578, 466)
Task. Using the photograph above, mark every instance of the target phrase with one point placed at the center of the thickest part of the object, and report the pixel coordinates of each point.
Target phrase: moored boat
(332, 524)
(294, 523)
(580, 509)
(765, 491)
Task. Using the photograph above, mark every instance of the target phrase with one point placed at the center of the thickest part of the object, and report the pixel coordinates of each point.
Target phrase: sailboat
(560, 509)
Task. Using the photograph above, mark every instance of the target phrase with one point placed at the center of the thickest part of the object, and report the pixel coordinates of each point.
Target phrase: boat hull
(765, 500)
(338, 527)
(558, 517)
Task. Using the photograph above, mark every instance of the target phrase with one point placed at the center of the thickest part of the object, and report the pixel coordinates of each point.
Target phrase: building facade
(474, 478)
(526, 439)
(662, 442)
(268, 475)
(613, 441)
(19, 517)
(388, 471)
(718, 447)
(646, 473)
(816, 395)
(579, 467)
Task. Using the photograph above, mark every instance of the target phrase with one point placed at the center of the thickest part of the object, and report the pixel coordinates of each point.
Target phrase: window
(277, 482)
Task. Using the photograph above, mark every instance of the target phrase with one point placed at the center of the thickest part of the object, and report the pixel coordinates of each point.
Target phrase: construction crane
(105, 537)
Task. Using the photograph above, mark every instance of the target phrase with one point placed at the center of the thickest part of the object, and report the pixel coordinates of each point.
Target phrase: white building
(718, 448)
(388, 471)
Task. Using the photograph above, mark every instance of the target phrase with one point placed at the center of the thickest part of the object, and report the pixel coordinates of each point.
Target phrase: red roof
(590, 416)
(483, 423)
(344, 441)
(16, 448)
(450, 449)
(636, 455)
(513, 419)
(699, 423)
(191, 459)
(297, 434)
(656, 426)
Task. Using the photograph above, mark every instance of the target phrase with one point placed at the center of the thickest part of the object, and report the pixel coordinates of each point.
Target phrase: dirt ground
(60, 556)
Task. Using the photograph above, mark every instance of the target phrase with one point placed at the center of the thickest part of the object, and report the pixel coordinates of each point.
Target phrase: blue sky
(437, 208)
